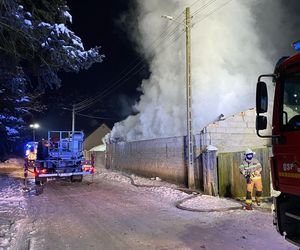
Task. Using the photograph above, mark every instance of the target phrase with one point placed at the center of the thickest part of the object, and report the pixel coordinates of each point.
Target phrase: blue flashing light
(296, 45)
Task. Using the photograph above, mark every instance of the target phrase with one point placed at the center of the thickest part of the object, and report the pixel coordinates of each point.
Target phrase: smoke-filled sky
(232, 43)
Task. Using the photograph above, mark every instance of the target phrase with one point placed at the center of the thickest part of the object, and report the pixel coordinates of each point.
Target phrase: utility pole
(73, 119)
(190, 139)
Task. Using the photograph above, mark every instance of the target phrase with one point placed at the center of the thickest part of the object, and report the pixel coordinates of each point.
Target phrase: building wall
(95, 138)
(235, 133)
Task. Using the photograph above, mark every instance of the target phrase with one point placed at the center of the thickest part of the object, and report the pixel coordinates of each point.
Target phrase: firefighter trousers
(251, 184)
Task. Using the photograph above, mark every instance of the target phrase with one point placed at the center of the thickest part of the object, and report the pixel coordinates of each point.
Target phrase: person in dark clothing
(42, 150)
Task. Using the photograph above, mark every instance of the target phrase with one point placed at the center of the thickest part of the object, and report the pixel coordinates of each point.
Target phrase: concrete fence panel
(150, 158)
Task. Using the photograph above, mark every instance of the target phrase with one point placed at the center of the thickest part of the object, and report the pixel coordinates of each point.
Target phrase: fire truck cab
(285, 159)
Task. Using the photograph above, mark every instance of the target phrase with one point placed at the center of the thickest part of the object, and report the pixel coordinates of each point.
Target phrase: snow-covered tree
(35, 45)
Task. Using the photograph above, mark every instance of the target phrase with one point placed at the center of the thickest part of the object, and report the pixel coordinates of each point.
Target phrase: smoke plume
(232, 43)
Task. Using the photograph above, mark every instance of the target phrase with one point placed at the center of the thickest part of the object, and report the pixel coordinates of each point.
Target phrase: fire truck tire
(77, 178)
(38, 182)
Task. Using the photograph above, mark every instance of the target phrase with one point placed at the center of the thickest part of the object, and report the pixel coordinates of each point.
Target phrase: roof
(100, 148)
(95, 138)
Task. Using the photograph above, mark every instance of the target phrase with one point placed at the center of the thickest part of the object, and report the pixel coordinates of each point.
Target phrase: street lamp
(190, 139)
(172, 19)
(34, 127)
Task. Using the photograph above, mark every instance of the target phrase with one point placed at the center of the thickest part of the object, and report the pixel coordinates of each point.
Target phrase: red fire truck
(285, 158)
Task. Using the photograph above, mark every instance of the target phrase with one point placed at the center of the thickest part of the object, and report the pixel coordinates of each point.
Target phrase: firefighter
(251, 170)
(31, 153)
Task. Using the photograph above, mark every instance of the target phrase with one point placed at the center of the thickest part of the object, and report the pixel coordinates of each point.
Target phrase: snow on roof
(101, 148)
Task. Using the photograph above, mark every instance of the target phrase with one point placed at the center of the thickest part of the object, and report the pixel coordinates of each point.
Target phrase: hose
(178, 205)
(208, 210)
(186, 190)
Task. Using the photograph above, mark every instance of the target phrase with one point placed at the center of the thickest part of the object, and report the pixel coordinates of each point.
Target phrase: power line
(95, 117)
(164, 36)
(89, 116)
(194, 3)
(203, 7)
(92, 100)
(110, 90)
(213, 11)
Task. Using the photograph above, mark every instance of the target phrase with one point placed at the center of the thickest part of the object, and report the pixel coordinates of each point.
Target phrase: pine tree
(35, 45)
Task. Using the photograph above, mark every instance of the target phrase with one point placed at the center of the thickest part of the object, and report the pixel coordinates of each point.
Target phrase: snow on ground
(13, 198)
(170, 193)
(13, 168)
(163, 190)
(12, 202)
(12, 210)
(113, 176)
(210, 202)
(156, 185)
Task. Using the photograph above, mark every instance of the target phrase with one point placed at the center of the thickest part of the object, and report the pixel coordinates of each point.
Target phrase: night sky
(97, 25)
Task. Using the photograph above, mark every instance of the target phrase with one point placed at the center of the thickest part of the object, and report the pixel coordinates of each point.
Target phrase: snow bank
(207, 202)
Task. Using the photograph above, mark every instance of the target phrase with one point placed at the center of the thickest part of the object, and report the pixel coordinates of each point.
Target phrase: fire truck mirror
(261, 122)
(261, 98)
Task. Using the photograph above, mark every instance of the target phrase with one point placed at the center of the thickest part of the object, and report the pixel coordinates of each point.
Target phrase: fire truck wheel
(77, 178)
(38, 182)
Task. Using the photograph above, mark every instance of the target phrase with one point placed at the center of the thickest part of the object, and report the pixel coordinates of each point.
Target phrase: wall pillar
(210, 172)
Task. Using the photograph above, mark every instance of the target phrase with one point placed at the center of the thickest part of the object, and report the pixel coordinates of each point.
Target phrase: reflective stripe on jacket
(251, 168)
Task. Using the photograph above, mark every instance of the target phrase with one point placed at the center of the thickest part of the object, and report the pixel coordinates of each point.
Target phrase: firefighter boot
(248, 207)
(248, 202)
(258, 197)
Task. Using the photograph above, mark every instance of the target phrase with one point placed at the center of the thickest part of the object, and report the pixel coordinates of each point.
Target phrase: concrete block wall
(150, 158)
(164, 157)
(235, 133)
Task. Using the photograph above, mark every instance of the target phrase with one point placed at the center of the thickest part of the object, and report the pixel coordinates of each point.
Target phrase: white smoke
(226, 60)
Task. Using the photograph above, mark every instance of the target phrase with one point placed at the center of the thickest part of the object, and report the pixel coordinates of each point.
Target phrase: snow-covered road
(13, 210)
(110, 213)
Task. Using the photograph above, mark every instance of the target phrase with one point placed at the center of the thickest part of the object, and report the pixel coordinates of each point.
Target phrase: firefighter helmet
(248, 151)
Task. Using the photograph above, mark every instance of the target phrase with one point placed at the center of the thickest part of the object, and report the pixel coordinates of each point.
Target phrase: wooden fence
(231, 182)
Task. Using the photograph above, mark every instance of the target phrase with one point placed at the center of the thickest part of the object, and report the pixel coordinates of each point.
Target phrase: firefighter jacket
(251, 169)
